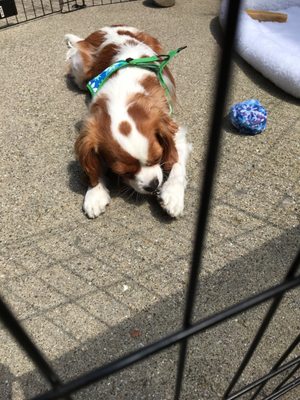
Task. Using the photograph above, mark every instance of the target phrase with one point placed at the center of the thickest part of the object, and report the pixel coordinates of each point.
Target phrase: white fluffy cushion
(270, 47)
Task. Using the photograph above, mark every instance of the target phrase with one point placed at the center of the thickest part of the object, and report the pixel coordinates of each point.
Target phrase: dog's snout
(152, 186)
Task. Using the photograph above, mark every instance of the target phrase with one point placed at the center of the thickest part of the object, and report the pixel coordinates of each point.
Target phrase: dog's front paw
(171, 198)
(95, 201)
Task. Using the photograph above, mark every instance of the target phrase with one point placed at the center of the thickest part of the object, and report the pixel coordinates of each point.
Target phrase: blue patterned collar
(155, 63)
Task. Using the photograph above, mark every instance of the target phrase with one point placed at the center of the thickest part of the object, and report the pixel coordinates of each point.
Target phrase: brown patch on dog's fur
(95, 39)
(155, 94)
(86, 148)
(166, 134)
(152, 86)
(138, 113)
(170, 76)
(150, 114)
(96, 143)
(125, 128)
(150, 82)
(145, 38)
(88, 144)
(155, 45)
(95, 61)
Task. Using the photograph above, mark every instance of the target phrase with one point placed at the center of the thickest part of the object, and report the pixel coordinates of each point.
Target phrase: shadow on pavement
(214, 355)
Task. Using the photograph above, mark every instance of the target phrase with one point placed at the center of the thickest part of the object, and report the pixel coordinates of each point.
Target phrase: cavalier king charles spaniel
(128, 128)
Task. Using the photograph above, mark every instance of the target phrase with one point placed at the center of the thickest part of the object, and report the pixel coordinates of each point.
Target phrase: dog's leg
(96, 200)
(86, 147)
(172, 191)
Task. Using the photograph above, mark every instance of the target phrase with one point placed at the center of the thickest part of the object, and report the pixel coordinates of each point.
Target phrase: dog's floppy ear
(166, 137)
(87, 150)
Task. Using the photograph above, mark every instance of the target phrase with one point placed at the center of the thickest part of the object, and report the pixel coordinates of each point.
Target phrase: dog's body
(128, 128)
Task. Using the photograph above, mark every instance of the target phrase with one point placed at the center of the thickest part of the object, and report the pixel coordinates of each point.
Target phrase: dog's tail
(71, 40)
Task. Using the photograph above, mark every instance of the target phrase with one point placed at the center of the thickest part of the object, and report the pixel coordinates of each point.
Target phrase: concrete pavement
(81, 287)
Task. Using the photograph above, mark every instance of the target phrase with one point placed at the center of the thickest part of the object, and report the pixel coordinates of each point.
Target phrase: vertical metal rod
(27, 345)
(278, 363)
(51, 6)
(24, 9)
(209, 174)
(273, 308)
(33, 7)
(41, 1)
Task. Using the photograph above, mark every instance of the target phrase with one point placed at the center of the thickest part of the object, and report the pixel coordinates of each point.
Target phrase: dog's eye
(154, 161)
(128, 175)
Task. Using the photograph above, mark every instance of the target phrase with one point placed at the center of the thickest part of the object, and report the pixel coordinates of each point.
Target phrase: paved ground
(79, 286)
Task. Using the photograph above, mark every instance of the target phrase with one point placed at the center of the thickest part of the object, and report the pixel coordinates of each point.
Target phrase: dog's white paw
(172, 198)
(95, 201)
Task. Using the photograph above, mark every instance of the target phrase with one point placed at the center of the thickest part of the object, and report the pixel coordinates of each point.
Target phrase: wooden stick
(262, 15)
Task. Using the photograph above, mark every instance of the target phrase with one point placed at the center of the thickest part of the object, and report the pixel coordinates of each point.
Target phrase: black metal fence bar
(284, 390)
(29, 10)
(24, 9)
(286, 379)
(264, 326)
(215, 133)
(28, 346)
(43, 9)
(164, 343)
(267, 377)
(51, 6)
(279, 362)
(33, 8)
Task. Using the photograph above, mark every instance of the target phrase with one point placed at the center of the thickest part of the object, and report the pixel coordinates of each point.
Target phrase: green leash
(154, 63)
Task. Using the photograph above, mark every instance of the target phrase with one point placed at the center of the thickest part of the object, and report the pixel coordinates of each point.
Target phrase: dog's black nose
(153, 185)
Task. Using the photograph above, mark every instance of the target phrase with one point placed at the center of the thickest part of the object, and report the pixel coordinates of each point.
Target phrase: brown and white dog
(128, 128)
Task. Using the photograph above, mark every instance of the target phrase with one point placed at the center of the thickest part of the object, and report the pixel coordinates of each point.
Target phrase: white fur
(133, 51)
(113, 37)
(71, 39)
(172, 192)
(270, 47)
(118, 90)
(74, 59)
(145, 176)
(96, 200)
(135, 143)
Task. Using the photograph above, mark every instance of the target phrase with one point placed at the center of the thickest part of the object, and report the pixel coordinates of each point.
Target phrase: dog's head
(136, 143)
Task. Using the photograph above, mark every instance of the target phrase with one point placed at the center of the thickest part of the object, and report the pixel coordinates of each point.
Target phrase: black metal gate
(285, 370)
(13, 12)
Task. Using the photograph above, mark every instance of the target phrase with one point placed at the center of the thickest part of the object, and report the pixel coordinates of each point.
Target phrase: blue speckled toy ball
(249, 117)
